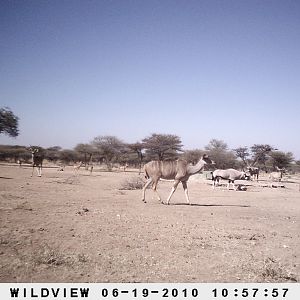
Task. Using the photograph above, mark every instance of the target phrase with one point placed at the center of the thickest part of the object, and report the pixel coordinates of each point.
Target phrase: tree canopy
(8, 122)
(260, 153)
(87, 150)
(242, 153)
(280, 159)
(109, 147)
(192, 156)
(162, 146)
(216, 145)
(219, 153)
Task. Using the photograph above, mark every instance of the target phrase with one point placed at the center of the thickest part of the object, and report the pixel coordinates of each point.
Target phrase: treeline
(110, 150)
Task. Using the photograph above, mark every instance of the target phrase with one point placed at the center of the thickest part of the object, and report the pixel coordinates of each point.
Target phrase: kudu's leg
(155, 190)
(184, 184)
(32, 170)
(173, 190)
(38, 170)
(144, 189)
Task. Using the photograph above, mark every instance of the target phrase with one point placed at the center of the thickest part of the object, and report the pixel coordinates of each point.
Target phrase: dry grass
(274, 271)
(50, 256)
(54, 257)
(134, 183)
(70, 180)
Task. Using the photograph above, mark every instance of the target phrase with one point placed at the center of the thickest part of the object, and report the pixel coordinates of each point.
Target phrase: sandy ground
(64, 227)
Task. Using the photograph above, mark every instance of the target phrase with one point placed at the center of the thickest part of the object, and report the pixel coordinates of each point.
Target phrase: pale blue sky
(230, 70)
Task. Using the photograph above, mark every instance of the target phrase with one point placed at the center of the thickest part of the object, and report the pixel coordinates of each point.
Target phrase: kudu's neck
(196, 168)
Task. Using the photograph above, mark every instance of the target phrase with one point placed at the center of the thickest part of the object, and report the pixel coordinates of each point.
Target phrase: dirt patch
(66, 227)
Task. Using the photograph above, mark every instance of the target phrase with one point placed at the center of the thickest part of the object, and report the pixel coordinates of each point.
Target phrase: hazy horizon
(202, 70)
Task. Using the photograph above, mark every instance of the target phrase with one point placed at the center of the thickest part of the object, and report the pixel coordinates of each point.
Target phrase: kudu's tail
(146, 174)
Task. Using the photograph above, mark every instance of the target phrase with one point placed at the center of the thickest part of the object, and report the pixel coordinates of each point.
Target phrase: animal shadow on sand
(210, 205)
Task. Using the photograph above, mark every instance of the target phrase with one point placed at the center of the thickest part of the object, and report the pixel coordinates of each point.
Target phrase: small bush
(274, 271)
(50, 256)
(135, 183)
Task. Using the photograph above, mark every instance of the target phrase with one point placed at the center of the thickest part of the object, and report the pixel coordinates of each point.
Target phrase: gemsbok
(229, 174)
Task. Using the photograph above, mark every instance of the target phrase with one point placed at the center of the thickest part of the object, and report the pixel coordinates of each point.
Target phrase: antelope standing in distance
(77, 166)
(276, 176)
(19, 162)
(254, 172)
(179, 170)
(37, 159)
(123, 167)
(89, 167)
(229, 174)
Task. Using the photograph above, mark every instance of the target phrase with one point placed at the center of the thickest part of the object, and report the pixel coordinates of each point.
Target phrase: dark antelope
(254, 172)
(37, 160)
